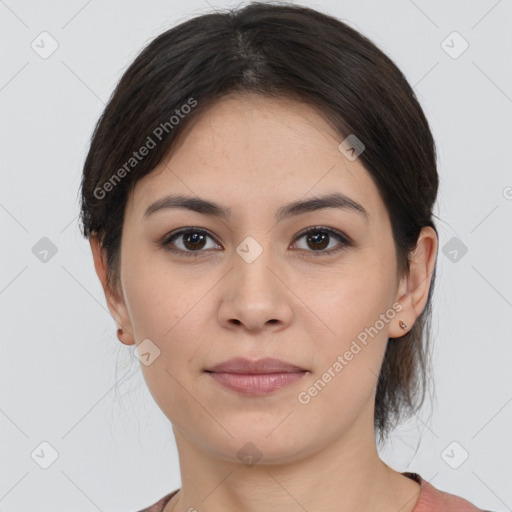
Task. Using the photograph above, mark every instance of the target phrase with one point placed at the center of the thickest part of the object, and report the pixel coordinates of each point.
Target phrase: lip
(258, 366)
(255, 377)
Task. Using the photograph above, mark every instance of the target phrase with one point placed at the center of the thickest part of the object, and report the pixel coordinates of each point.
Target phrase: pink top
(430, 500)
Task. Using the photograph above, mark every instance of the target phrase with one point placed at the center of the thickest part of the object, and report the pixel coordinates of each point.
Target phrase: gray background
(68, 381)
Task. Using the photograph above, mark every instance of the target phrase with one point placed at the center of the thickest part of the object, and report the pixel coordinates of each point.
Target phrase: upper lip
(258, 366)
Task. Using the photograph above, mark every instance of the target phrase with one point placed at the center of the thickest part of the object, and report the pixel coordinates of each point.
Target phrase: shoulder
(430, 500)
(434, 500)
(160, 504)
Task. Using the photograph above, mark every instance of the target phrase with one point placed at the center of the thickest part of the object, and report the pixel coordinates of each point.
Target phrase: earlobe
(414, 288)
(402, 325)
(125, 338)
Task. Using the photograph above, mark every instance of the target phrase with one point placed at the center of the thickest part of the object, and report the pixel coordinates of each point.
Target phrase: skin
(254, 154)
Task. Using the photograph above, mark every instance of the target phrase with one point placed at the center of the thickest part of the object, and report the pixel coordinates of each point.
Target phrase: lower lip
(256, 384)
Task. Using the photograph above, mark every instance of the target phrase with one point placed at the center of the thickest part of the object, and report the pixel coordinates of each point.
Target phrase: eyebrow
(206, 207)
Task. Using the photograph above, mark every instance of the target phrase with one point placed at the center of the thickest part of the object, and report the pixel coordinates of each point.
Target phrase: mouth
(257, 377)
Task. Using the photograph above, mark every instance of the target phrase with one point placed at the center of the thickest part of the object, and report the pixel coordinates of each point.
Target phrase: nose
(255, 295)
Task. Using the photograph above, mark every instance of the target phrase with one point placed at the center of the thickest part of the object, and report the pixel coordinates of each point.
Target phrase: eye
(319, 238)
(192, 240)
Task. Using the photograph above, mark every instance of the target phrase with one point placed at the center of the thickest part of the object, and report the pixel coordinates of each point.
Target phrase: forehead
(249, 151)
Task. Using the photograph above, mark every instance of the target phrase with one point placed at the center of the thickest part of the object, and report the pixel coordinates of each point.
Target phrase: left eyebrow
(206, 207)
(337, 200)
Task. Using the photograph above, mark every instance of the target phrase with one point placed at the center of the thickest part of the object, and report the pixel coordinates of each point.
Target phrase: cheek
(165, 309)
(170, 309)
(158, 298)
(348, 363)
(153, 307)
(356, 305)
(354, 298)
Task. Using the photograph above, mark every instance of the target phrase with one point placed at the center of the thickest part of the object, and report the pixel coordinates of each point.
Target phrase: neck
(346, 476)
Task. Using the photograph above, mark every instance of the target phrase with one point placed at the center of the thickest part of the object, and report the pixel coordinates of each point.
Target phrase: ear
(413, 289)
(115, 299)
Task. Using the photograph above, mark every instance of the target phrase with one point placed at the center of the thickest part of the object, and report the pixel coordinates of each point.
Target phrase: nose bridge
(253, 258)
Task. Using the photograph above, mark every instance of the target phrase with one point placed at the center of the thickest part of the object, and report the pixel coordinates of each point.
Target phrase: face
(199, 289)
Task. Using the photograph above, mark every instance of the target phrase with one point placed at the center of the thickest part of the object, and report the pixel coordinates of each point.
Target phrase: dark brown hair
(275, 50)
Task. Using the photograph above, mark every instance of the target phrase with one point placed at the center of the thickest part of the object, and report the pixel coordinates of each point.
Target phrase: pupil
(195, 238)
(318, 239)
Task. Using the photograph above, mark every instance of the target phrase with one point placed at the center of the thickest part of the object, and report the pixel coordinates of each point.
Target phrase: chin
(261, 445)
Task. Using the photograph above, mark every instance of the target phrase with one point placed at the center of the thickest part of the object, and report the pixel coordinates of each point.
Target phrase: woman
(258, 198)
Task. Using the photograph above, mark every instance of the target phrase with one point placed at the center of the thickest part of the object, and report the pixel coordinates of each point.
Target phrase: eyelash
(344, 241)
